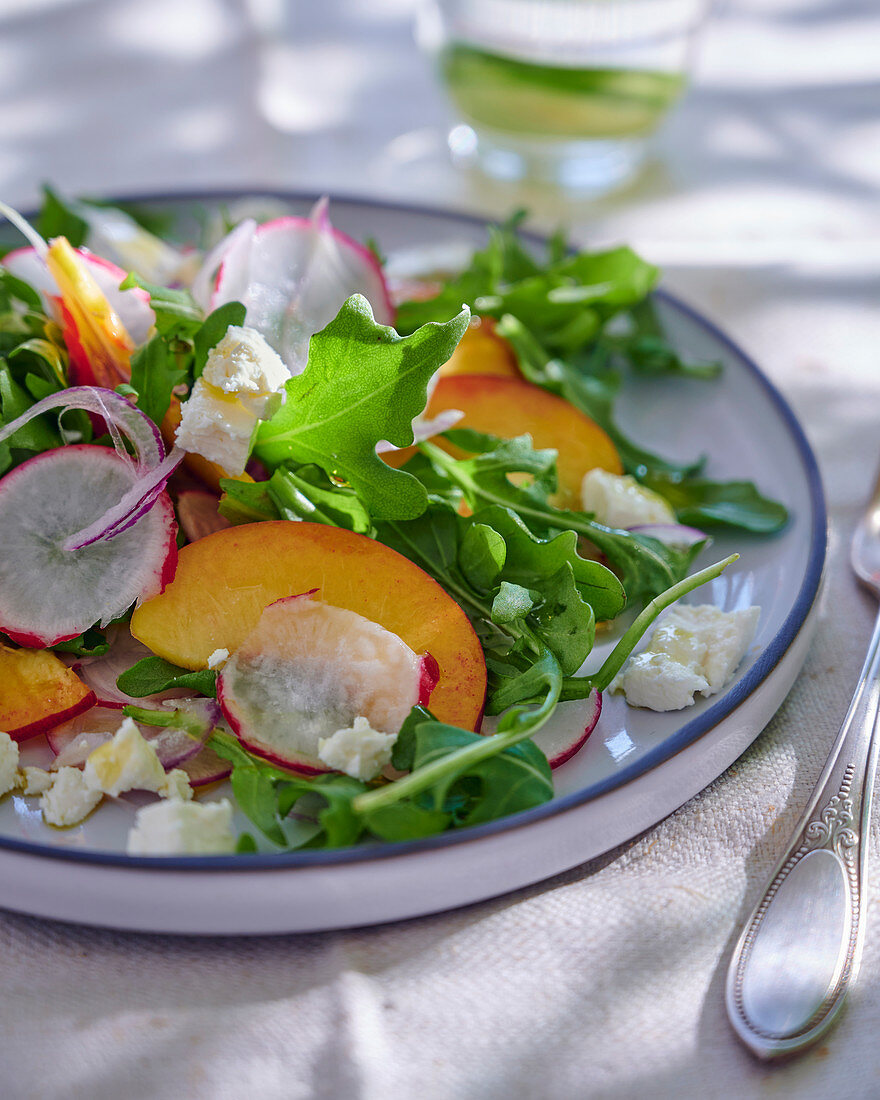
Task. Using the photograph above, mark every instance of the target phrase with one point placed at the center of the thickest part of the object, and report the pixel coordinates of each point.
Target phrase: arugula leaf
(91, 643)
(246, 501)
(153, 674)
(647, 565)
(253, 784)
(35, 436)
(308, 493)
(58, 219)
(209, 334)
(155, 371)
(587, 382)
(734, 504)
(362, 383)
(646, 349)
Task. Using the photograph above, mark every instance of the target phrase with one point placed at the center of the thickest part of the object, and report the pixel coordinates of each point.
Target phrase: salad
(269, 515)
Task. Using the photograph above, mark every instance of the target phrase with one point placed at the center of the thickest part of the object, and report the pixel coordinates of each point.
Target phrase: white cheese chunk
(619, 501)
(177, 786)
(694, 649)
(359, 751)
(242, 383)
(218, 658)
(245, 365)
(69, 799)
(182, 828)
(34, 780)
(217, 426)
(8, 763)
(125, 763)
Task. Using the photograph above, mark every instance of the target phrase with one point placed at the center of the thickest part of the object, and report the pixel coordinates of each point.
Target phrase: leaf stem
(614, 662)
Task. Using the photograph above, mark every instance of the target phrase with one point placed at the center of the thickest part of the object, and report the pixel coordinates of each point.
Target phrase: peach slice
(224, 581)
(37, 692)
(309, 669)
(482, 351)
(508, 407)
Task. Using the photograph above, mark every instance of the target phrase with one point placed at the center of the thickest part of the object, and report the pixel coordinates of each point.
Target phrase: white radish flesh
(48, 594)
(568, 730)
(309, 669)
(294, 277)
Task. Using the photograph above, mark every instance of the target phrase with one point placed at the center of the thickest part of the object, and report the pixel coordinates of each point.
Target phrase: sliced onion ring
(118, 412)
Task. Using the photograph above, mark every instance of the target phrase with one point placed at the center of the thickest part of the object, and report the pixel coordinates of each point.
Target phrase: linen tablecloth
(761, 205)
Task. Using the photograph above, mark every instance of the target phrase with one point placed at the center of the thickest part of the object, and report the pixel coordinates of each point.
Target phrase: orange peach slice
(482, 351)
(37, 692)
(224, 581)
(507, 407)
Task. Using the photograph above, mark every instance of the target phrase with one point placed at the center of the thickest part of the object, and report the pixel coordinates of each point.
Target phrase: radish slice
(206, 767)
(131, 306)
(48, 594)
(73, 741)
(101, 673)
(294, 277)
(558, 741)
(674, 534)
(309, 669)
(152, 470)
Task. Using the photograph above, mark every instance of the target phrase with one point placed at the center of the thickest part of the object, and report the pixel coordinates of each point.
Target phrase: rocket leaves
(363, 383)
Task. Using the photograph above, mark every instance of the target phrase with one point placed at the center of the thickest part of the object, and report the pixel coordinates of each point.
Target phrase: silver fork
(800, 949)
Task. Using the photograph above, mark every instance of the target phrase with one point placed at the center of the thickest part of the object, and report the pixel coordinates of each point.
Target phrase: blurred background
(112, 96)
(770, 161)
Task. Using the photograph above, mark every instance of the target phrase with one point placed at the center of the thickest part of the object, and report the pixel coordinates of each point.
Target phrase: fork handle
(800, 948)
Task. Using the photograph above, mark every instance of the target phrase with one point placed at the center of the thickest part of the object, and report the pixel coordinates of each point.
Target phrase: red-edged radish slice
(309, 669)
(150, 470)
(197, 514)
(206, 767)
(567, 731)
(73, 741)
(49, 594)
(294, 278)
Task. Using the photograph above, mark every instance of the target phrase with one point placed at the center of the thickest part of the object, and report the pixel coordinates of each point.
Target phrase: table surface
(760, 202)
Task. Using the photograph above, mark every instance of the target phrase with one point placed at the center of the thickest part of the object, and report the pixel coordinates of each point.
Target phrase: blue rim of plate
(685, 736)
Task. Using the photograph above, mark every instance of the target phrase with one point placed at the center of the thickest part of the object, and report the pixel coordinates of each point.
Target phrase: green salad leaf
(153, 674)
(362, 383)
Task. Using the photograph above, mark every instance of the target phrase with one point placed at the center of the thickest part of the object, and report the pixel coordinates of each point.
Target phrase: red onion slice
(118, 413)
(138, 500)
(73, 741)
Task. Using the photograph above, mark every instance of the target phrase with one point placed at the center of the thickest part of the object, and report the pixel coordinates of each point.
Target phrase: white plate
(636, 768)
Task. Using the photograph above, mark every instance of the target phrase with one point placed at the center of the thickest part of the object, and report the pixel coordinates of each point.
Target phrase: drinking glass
(565, 91)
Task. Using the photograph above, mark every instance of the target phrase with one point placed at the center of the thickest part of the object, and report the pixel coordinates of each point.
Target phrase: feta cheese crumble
(619, 501)
(182, 828)
(177, 786)
(69, 799)
(241, 384)
(8, 763)
(34, 780)
(218, 658)
(125, 763)
(694, 649)
(359, 751)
